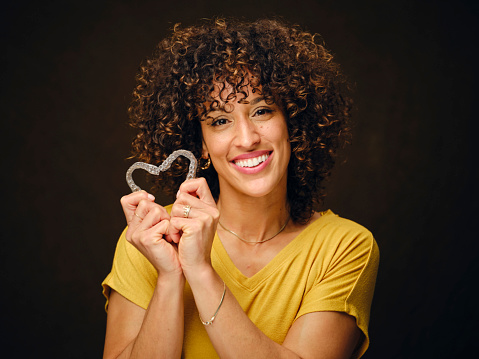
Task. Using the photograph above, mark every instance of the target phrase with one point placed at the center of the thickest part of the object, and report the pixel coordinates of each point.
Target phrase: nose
(247, 134)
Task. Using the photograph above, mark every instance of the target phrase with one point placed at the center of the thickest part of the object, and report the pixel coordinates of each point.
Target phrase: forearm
(232, 333)
(161, 334)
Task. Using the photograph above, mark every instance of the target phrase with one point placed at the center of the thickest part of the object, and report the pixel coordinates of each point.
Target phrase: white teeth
(251, 162)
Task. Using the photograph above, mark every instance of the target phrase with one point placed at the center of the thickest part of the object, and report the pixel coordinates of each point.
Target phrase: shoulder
(340, 235)
(132, 275)
(332, 225)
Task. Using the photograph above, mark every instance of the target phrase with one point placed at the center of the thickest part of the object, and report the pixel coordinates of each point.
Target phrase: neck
(253, 219)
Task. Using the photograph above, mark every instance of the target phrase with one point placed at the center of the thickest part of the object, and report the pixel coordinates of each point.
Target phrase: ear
(205, 153)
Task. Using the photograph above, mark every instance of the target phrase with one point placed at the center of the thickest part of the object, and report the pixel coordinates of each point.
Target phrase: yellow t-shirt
(330, 266)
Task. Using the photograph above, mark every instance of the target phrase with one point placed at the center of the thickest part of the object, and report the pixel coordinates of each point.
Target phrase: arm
(323, 335)
(314, 335)
(233, 334)
(133, 332)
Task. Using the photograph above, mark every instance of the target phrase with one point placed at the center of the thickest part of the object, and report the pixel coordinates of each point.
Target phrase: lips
(251, 162)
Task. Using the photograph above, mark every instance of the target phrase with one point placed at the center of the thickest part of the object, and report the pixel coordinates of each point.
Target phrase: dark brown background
(67, 72)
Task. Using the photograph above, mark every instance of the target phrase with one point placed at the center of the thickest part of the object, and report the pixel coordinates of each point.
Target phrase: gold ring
(138, 216)
(186, 210)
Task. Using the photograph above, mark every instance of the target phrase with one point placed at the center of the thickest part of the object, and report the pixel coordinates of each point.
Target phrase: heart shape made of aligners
(155, 170)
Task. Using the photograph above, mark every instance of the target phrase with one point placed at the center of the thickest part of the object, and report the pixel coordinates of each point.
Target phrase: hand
(148, 225)
(198, 229)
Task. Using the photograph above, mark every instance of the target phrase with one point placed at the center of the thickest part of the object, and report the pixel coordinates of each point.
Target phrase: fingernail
(150, 196)
(177, 193)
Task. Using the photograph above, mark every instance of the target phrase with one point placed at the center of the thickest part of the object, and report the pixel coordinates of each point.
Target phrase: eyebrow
(256, 100)
(252, 102)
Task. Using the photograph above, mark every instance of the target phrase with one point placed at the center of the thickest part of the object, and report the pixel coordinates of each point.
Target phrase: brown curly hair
(281, 61)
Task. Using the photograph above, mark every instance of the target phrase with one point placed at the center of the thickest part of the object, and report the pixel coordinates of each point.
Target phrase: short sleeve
(132, 275)
(347, 284)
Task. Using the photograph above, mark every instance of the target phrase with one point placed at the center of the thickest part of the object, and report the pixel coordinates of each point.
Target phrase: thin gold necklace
(255, 242)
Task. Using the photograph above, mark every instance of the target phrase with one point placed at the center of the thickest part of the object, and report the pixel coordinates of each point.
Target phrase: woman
(241, 264)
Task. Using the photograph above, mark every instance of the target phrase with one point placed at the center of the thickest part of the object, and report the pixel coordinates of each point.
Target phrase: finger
(145, 240)
(151, 213)
(176, 228)
(197, 207)
(190, 228)
(130, 202)
(147, 215)
(173, 234)
(198, 187)
(159, 230)
(183, 207)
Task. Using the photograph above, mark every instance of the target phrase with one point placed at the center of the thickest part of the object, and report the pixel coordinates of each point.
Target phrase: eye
(263, 111)
(219, 122)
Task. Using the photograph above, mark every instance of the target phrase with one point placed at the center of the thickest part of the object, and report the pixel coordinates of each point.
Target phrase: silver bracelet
(217, 310)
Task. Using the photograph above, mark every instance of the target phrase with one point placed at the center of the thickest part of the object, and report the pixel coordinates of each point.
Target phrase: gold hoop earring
(207, 164)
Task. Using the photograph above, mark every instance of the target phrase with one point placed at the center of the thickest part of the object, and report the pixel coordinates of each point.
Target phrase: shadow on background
(410, 175)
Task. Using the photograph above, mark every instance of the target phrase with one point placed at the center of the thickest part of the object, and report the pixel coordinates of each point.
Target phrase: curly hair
(281, 61)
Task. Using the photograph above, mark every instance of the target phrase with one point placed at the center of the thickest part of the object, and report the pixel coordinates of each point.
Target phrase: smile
(251, 162)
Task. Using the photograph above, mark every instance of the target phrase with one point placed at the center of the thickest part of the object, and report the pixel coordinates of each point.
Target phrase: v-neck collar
(291, 249)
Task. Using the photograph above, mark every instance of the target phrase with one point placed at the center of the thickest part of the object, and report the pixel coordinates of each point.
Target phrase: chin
(262, 190)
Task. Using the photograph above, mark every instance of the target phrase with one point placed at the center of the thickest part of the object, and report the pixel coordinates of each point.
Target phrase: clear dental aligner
(155, 170)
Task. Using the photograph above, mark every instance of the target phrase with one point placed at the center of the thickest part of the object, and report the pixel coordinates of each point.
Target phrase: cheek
(215, 145)
(278, 134)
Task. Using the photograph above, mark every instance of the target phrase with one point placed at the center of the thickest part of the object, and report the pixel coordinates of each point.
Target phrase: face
(248, 144)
